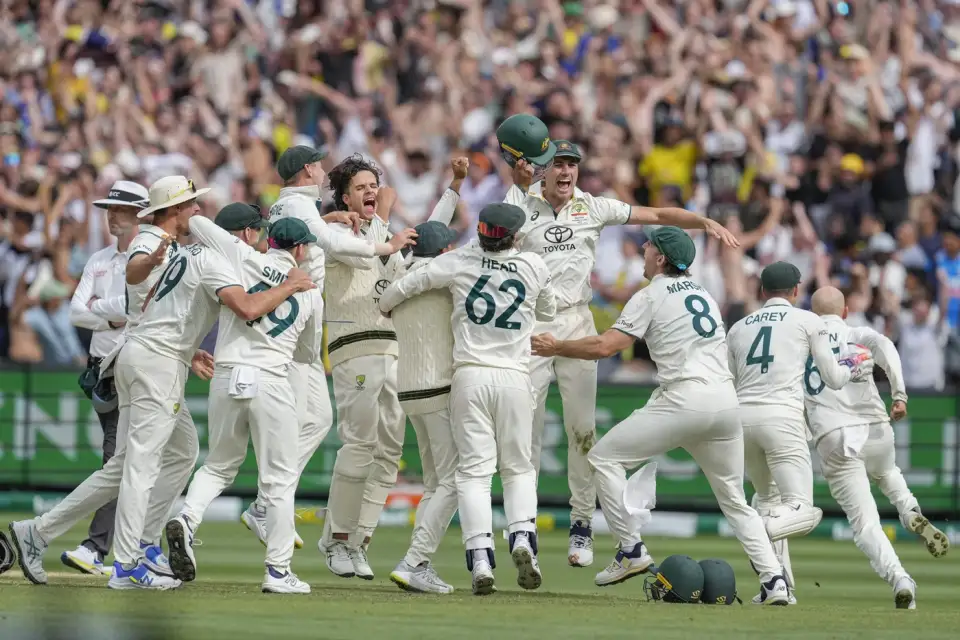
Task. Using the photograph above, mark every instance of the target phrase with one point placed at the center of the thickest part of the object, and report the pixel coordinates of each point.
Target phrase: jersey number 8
(703, 322)
(503, 320)
(281, 323)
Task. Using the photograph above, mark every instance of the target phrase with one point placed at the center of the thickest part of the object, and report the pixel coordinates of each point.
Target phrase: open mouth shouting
(370, 203)
(564, 183)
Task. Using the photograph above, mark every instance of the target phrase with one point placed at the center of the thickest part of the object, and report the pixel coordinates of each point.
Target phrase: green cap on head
(566, 149)
(779, 276)
(499, 220)
(238, 216)
(432, 238)
(675, 245)
(525, 137)
(294, 159)
(287, 233)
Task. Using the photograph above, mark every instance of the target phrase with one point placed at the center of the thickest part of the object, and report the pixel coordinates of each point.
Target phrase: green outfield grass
(840, 597)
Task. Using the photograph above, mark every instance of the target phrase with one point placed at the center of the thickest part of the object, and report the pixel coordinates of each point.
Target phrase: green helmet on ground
(525, 137)
(677, 579)
(719, 582)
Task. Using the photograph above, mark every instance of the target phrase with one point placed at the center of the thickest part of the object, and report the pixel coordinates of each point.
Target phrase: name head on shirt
(488, 263)
(767, 316)
(684, 285)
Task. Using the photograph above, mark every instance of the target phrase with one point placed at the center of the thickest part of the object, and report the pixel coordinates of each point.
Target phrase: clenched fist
(460, 166)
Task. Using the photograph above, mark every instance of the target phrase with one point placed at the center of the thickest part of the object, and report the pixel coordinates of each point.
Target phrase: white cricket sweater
(355, 326)
(425, 339)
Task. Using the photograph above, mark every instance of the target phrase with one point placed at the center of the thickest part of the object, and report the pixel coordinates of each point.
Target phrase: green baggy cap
(287, 233)
(675, 245)
(779, 276)
(238, 216)
(294, 159)
(432, 238)
(500, 219)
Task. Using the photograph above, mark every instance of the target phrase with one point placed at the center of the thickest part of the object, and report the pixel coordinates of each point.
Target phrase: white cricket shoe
(361, 566)
(275, 581)
(936, 540)
(338, 559)
(479, 561)
(625, 565)
(905, 593)
(775, 592)
(420, 579)
(183, 563)
(84, 560)
(30, 549)
(580, 552)
(525, 559)
(256, 521)
(758, 599)
(140, 577)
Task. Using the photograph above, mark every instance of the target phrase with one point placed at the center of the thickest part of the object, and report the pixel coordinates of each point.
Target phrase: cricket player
(99, 304)
(498, 294)
(147, 257)
(854, 439)
(251, 395)
(694, 407)
(362, 349)
(769, 351)
(152, 369)
(303, 177)
(563, 226)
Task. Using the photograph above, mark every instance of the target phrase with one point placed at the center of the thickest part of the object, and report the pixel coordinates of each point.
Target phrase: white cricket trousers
(370, 424)
(777, 457)
(159, 444)
(577, 380)
(491, 412)
(103, 485)
(712, 435)
(270, 419)
(848, 473)
(438, 455)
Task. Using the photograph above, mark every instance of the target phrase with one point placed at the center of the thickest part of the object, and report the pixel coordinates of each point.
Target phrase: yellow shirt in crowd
(667, 166)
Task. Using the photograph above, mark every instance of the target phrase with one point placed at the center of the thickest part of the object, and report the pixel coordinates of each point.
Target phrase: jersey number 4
(490, 309)
(760, 350)
(281, 324)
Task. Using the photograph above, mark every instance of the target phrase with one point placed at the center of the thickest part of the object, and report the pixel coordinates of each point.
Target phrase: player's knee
(353, 462)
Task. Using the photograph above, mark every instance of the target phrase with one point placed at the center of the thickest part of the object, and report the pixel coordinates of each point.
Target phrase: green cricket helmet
(525, 137)
(719, 582)
(677, 579)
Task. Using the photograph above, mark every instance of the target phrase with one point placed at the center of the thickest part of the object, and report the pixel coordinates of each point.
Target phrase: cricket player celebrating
(363, 355)
(250, 395)
(303, 177)
(152, 369)
(769, 352)
(99, 304)
(695, 407)
(147, 258)
(854, 438)
(563, 225)
(498, 293)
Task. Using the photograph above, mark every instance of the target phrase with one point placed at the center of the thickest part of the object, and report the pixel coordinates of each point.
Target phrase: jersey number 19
(281, 324)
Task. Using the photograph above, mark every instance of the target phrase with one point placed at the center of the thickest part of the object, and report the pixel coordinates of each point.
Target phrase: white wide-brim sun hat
(169, 192)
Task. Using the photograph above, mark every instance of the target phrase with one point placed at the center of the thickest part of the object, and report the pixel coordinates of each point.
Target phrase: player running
(152, 370)
(303, 177)
(563, 226)
(695, 407)
(769, 352)
(854, 439)
(498, 294)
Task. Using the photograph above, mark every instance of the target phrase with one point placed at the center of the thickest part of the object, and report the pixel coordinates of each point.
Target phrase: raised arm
(141, 264)
(220, 240)
(682, 218)
(439, 273)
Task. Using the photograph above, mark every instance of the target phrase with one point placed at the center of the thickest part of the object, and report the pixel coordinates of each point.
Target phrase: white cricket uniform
(497, 298)
(567, 242)
(251, 395)
(362, 348)
(694, 407)
(771, 351)
(309, 380)
(103, 485)
(152, 370)
(853, 435)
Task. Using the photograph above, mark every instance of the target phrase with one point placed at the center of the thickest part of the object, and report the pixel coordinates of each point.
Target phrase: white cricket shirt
(566, 239)
(497, 299)
(104, 277)
(858, 402)
(769, 354)
(682, 326)
(183, 304)
(292, 331)
(145, 243)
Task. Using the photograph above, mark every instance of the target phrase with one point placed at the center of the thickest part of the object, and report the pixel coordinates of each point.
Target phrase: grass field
(840, 597)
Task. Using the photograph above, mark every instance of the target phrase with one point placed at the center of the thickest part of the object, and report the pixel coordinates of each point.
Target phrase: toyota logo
(557, 234)
(381, 286)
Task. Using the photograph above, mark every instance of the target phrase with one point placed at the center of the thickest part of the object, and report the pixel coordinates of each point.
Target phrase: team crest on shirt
(578, 210)
(360, 381)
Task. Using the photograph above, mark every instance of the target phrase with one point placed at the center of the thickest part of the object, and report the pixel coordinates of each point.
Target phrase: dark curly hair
(341, 175)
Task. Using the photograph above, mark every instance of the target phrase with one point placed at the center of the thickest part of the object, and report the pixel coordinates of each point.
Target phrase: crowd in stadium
(824, 133)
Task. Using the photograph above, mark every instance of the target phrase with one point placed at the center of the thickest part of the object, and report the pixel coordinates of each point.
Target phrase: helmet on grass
(677, 579)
